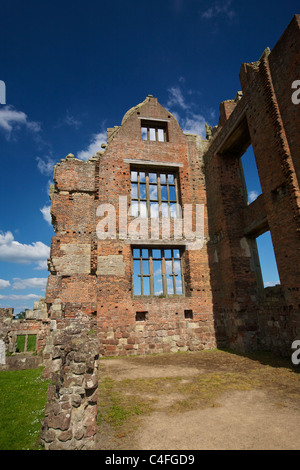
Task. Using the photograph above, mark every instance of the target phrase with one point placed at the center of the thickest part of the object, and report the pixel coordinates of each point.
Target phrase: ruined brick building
(150, 290)
(155, 246)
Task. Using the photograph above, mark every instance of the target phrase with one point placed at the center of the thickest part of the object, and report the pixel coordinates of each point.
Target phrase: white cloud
(93, 147)
(271, 284)
(46, 165)
(15, 252)
(4, 284)
(194, 124)
(252, 196)
(46, 214)
(70, 121)
(176, 98)
(11, 119)
(19, 297)
(31, 283)
(183, 110)
(41, 265)
(219, 8)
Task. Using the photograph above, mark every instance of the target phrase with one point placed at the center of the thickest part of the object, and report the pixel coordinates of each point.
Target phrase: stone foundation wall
(71, 365)
(146, 337)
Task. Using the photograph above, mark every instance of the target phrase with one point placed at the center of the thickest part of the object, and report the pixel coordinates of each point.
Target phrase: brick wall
(222, 281)
(246, 315)
(96, 275)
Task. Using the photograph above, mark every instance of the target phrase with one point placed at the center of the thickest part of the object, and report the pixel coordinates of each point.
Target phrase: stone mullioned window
(157, 272)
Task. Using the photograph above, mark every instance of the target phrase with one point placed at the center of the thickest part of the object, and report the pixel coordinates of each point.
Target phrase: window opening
(154, 131)
(141, 316)
(26, 343)
(188, 314)
(157, 271)
(250, 174)
(267, 260)
(154, 194)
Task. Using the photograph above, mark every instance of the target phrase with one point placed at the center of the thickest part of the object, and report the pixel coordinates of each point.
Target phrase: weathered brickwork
(245, 315)
(93, 305)
(96, 275)
(223, 302)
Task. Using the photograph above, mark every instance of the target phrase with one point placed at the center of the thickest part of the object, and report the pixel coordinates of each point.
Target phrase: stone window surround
(154, 130)
(158, 194)
(164, 275)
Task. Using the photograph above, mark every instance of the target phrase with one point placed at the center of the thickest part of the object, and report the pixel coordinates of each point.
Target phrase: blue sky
(73, 68)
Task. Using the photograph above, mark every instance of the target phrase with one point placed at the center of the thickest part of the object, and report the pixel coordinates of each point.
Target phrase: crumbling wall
(71, 365)
(247, 316)
(95, 275)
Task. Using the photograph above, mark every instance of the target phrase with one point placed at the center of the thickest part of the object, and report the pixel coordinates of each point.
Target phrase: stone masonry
(71, 365)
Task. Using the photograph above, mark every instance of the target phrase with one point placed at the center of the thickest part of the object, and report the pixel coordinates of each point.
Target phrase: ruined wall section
(248, 315)
(72, 264)
(233, 280)
(35, 323)
(95, 275)
(165, 327)
(284, 64)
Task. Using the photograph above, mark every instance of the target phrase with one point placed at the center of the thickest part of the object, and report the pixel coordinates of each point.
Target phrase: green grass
(22, 402)
(20, 343)
(116, 408)
(31, 344)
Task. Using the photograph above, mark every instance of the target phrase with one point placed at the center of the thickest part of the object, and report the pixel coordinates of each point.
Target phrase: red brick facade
(97, 275)
(222, 302)
(246, 315)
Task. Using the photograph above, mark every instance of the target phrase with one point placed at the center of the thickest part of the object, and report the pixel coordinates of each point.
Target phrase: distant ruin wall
(36, 323)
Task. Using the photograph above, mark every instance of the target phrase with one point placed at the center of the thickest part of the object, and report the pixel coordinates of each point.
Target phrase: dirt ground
(203, 400)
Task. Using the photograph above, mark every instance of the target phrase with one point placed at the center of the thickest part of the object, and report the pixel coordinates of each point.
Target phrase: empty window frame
(267, 260)
(26, 343)
(154, 193)
(141, 316)
(157, 272)
(188, 314)
(154, 131)
(250, 176)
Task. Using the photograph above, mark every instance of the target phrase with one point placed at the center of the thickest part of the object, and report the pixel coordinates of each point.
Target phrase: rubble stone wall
(71, 365)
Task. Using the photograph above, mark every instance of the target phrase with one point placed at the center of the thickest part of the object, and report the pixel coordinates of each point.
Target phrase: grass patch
(116, 407)
(213, 374)
(23, 396)
(203, 389)
(197, 391)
